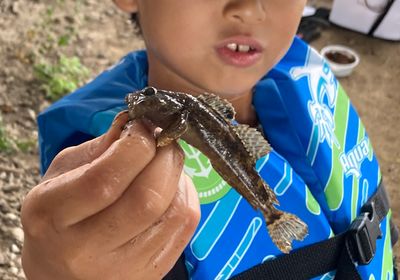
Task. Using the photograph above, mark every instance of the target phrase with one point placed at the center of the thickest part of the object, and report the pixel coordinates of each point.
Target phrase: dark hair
(136, 23)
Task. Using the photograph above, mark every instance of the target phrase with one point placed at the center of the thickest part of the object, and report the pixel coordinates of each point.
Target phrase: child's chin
(236, 87)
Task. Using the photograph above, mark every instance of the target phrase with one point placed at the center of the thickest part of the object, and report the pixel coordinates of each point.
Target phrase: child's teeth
(238, 48)
(232, 46)
(244, 48)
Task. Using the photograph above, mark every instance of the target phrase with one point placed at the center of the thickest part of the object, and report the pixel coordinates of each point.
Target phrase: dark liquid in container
(340, 57)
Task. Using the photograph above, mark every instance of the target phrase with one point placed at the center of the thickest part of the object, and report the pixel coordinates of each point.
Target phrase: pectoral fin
(174, 130)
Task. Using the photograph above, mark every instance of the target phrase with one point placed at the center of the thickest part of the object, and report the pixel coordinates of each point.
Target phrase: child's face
(190, 42)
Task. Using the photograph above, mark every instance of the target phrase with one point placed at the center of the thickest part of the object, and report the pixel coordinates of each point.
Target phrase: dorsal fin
(222, 106)
(253, 140)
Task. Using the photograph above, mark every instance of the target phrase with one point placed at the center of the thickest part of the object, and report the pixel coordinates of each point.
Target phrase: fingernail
(118, 119)
(116, 127)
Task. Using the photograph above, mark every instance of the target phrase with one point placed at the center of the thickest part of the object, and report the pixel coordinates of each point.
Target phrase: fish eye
(149, 91)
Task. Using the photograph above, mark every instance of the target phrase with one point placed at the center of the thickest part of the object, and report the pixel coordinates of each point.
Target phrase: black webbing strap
(358, 244)
(301, 264)
(381, 17)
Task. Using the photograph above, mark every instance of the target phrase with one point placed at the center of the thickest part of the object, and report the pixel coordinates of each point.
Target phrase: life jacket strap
(340, 253)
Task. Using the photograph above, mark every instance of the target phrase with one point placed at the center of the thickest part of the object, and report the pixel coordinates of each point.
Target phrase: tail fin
(284, 228)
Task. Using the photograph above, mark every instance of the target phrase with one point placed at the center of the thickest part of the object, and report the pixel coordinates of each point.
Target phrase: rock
(3, 259)
(10, 79)
(14, 270)
(10, 188)
(69, 19)
(15, 8)
(15, 248)
(14, 202)
(18, 233)
(32, 114)
(11, 179)
(4, 208)
(13, 257)
(91, 2)
(12, 216)
(110, 12)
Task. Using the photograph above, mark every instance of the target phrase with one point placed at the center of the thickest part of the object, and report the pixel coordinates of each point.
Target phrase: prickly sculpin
(207, 123)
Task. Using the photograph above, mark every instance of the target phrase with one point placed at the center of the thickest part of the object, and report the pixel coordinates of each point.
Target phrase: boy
(117, 207)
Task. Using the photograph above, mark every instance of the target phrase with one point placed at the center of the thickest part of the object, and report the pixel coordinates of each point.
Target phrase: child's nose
(245, 11)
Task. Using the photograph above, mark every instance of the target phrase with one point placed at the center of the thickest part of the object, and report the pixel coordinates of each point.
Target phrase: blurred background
(49, 48)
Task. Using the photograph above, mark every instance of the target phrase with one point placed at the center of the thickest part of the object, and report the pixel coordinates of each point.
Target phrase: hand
(115, 207)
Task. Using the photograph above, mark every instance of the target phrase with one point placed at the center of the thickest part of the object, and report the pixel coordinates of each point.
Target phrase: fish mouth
(135, 99)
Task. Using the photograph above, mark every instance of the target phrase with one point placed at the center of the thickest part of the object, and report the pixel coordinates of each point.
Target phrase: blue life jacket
(322, 167)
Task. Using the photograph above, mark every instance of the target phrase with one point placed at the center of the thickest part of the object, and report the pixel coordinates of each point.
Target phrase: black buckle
(364, 231)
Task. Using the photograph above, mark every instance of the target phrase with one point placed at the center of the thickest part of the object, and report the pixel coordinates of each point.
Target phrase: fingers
(142, 204)
(152, 253)
(161, 245)
(88, 189)
(105, 204)
(73, 157)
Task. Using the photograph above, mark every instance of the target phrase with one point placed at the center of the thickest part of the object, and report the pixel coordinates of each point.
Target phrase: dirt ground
(99, 35)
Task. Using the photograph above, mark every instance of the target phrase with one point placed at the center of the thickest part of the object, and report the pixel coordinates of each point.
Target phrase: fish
(207, 122)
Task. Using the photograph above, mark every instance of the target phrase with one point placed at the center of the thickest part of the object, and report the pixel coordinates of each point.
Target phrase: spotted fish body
(207, 123)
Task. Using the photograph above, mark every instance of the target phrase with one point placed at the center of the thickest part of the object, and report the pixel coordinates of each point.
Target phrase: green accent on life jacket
(387, 262)
(334, 191)
(209, 185)
(311, 203)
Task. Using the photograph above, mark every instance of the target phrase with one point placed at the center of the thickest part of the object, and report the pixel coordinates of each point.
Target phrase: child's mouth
(239, 51)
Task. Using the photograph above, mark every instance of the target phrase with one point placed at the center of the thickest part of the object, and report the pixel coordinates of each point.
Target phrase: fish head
(152, 104)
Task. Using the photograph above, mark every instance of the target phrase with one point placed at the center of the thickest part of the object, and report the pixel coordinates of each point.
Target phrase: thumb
(76, 156)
